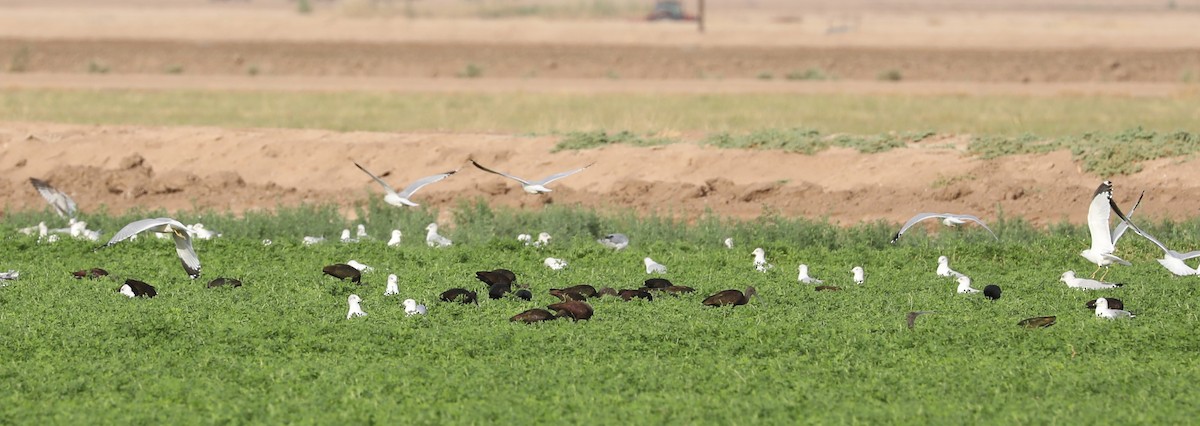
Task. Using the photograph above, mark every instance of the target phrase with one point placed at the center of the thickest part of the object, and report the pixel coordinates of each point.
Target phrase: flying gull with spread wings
(534, 186)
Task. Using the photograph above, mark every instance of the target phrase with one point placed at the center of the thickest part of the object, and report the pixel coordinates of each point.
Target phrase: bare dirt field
(972, 48)
(124, 167)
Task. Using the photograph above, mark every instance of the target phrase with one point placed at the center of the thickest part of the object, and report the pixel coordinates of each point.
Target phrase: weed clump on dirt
(1103, 154)
(599, 138)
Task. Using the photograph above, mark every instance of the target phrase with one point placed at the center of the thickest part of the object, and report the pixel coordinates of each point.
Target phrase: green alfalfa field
(280, 349)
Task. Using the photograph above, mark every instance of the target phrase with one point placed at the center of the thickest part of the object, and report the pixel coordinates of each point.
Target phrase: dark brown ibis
(566, 295)
(219, 282)
(89, 273)
(574, 309)
(496, 276)
(628, 295)
(343, 271)
(730, 297)
(676, 290)
(498, 290)
(827, 288)
(1038, 322)
(582, 289)
(460, 295)
(606, 291)
(533, 315)
(657, 283)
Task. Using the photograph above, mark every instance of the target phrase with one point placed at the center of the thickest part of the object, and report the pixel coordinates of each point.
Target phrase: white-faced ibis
(232, 282)
(991, 291)
(89, 273)
(628, 295)
(566, 295)
(355, 308)
(1113, 303)
(496, 276)
(730, 297)
(460, 295)
(343, 271)
(657, 283)
(606, 291)
(911, 318)
(498, 290)
(858, 275)
(134, 288)
(614, 241)
(1103, 311)
(827, 288)
(573, 309)
(412, 308)
(1037, 322)
(533, 315)
(581, 289)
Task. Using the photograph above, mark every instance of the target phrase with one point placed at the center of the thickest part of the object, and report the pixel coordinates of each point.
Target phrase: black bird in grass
(657, 283)
(342, 271)
(992, 292)
(232, 282)
(1038, 322)
(134, 288)
(89, 273)
(460, 295)
(628, 295)
(498, 290)
(676, 290)
(730, 297)
(496, 276)
(567, 295)
(533, 315)
(573, 309)
(524, 294)
(827, 288)
(607, 291)
(584, 290)
(1113, 303)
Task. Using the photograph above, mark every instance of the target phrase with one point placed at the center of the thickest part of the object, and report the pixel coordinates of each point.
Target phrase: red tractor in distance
(669, 10)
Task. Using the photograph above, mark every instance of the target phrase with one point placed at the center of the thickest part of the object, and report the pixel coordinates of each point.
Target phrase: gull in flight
(393, 287)
(355, 308)
(1172, 260)
(412, 308)
(555, 264)
(164, 225)
(62, 203)
(401, 199)
(433, 239)
(964, 285)
(804, 278)
(614, 241)
(1103, 311)
(395, 241)
(536, 186)
(1103, 242)
(760, 260)
(1084, 283)
(653, 267)
(948, 219)
(858, 275)
(943, 269)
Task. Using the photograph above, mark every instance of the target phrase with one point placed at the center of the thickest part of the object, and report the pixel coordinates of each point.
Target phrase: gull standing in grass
(355, 308)
(1103, 241)
(346, 237)
(555, 264)
(393, 287)
(614, 241)
(1103, 311)
(728, 242)
(1084, 283)
(535, 186)
(199, 232)
(62, 203)
(760, 260)
(359, 266)
(412, 308)
(543, 240)
(361, 232)
(395, 241)
(401, 199)
(653, 267)
(804, 277)
(948, 219)
(859, 277)
(964, 285)
(433, 239)
(308, 241)
(943, 268)
(525, 238)
(164, 225)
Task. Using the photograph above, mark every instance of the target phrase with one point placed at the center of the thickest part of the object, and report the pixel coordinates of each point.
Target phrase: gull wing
(1121, 227)
(142, 225)
(558, 176)
(919, 217)
(976, 220)
(187, 255)
(62, 203)
(1097, 219)
(420, 183)
(523, 181)
(386, 187)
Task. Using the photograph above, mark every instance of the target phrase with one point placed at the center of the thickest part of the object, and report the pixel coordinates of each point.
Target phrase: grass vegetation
(640, 113)
(1104, 154)
(280, 350)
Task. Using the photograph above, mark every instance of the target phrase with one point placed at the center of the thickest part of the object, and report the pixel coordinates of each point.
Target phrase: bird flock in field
(503, 283)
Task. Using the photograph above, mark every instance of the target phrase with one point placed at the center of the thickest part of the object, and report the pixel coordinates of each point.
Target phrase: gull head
(803, 269)
(1069, 275)
(354, 299)
(362, 230)
(525, 238)
(648, 261)
(943, 260)
(431, 228)
(728, 242)
(758, 253)
(1101, 304)
(392, 279)
(543, 238)
(410, 304)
